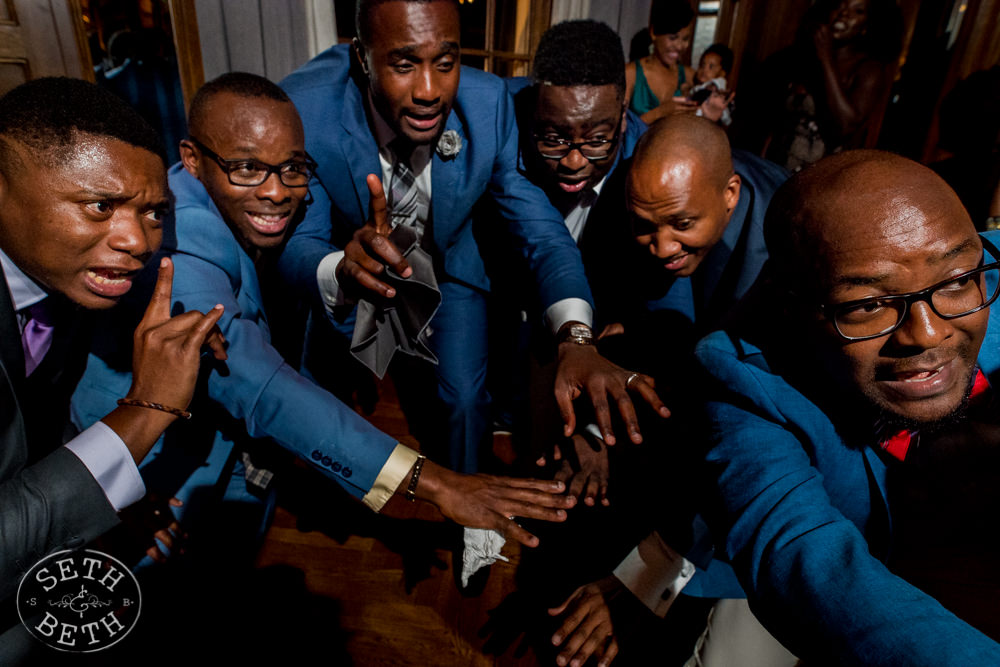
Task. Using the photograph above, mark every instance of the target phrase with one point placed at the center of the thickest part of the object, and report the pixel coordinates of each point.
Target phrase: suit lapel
(11, 352)
(360, 150)
(66, 344)
(720, 278)
(12, 429)
(445, 175)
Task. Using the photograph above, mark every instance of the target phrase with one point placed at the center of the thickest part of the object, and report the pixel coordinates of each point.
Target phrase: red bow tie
(898, 444)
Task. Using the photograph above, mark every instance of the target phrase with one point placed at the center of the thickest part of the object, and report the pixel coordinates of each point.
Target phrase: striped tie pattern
(404, 195)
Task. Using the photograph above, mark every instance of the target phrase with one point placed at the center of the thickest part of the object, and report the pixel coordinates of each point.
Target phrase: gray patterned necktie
(405, 197)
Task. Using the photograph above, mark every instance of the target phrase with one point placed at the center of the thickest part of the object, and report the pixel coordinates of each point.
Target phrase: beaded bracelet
(135, 402)
(411, 489)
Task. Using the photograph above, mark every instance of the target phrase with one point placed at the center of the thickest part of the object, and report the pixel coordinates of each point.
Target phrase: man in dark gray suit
(83, 189)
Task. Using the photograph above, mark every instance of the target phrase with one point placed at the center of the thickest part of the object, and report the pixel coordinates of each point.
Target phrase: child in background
(709, 87)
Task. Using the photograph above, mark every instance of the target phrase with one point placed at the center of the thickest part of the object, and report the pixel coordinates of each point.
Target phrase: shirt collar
(24, 291)
(597, 188)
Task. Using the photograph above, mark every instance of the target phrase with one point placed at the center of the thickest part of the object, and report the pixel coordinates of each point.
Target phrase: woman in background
(657, 83)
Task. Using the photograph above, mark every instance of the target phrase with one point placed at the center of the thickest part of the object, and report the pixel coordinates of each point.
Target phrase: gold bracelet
(411, 488)
(138, 403)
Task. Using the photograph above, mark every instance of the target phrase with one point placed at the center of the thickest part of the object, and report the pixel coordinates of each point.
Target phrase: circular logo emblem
(79, 600)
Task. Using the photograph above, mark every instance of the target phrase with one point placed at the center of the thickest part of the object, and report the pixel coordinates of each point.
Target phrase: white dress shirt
(100, 449)
(576, 217)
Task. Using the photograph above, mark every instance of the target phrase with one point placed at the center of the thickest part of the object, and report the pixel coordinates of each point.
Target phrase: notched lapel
(12, 430)
(11, 352)
(446, 190)
(360, 151)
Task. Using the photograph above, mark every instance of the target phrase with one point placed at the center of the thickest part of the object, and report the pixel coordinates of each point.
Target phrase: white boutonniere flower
(449, 144)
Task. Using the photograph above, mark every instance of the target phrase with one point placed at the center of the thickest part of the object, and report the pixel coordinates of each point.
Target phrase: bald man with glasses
(855, 437)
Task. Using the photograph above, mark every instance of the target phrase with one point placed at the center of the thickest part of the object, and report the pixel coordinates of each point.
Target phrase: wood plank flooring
(389, 576)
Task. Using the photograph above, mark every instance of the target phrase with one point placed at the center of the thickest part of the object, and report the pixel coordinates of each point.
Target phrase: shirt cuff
(110, 462)
(326, 277)
(395, 469)
(655, 573)
(572, 309)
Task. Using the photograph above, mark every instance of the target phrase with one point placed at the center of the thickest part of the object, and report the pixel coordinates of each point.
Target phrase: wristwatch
(580, 334)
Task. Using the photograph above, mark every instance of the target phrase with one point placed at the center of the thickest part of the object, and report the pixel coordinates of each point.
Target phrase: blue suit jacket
(511, 279)
(254, 385)
(628, 282)
(803, 506)
(667, 314)
(332, 107)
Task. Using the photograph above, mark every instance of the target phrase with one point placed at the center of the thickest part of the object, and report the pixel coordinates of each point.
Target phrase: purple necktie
(37, 336)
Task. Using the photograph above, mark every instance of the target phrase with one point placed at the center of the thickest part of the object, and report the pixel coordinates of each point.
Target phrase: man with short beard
(849, 407)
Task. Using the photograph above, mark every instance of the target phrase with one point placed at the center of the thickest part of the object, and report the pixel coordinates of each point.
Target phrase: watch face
(581, 331)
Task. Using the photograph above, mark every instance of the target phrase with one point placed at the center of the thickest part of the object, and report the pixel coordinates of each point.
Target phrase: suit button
(347, 472)
(327, 461)
(316, 455)
(336, 466)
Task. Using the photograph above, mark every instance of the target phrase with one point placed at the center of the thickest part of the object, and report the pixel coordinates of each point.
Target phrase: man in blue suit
(853, 421)
(685, 230)
(572, 120)
(574, 131)
(238, 188)
(390, 114)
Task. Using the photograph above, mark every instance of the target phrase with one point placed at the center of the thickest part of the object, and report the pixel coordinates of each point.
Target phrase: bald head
(685, 138)
(850, 198)
(681, 191)
(860, 238)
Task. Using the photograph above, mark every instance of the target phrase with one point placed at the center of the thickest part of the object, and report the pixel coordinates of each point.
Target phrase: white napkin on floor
(482, 548)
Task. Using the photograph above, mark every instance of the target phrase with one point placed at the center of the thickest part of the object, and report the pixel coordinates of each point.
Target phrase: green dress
(643, 99)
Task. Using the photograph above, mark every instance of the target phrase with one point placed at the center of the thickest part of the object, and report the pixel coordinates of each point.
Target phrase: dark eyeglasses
(251, 173)
(556, 148)
(955, 297)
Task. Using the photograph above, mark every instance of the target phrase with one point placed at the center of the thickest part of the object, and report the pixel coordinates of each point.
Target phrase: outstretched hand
(587, 629)
(581, 369)
(369, 251)
(486, 501)
(586, 471)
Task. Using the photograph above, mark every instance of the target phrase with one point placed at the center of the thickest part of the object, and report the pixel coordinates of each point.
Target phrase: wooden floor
(389, 579)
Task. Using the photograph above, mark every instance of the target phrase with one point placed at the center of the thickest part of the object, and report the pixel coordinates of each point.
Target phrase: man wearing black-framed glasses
(233, 211)
(250, 173)
(574, 125)
(854, 421)
(574, 130)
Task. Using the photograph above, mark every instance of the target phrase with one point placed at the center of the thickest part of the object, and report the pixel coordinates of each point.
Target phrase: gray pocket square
(399, 323)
